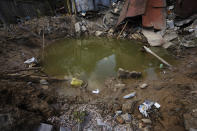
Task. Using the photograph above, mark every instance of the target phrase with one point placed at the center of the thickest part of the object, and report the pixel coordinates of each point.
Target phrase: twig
(122, 30)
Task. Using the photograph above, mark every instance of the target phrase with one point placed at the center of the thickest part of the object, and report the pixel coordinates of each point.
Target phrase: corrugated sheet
(152, 11)
(155, 14)
(132, 8)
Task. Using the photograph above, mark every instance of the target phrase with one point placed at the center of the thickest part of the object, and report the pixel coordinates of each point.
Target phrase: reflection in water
(95, 59)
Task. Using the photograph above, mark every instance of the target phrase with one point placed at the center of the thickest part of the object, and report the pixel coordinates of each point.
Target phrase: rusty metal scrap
(152, 11)
(155, 15)
(132, 8)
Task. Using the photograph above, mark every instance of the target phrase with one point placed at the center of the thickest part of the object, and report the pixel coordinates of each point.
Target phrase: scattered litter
(76, 82)
(130, 95)
(147, 105)
(157, 105)
(96, 91)
(143, 86)
(118, 113)
(32, 60)
(161, 66)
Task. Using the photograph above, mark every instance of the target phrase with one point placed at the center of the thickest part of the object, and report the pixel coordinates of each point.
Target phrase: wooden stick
(161, 59)
(122, 30)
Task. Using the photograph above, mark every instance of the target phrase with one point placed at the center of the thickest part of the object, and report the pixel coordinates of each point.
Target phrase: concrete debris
(154, 39)
(45, 127)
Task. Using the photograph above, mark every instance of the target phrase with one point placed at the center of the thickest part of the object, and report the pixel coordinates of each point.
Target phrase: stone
(146, 121)
(120, 119)
(154, 39)
(126, 74)
(143, 86)
(122, 73)
(98, 33)
(126, 117)
(45, 127)
(77, 27)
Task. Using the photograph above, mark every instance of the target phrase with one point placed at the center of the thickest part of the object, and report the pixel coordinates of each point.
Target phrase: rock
(146, 121)
(126, 74)
(64, 128)
(170, 35)
(122, 73)
(45, 127)
(77, 27)
(135, 74)
(120, 119)
(98, 33)
(154, 39)
(143, 86)
(129, 106)
(43, 82)
(126, 117)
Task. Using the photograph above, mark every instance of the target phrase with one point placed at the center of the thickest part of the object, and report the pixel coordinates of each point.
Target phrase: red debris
(152, 11)
(132, 8)
(155, 15)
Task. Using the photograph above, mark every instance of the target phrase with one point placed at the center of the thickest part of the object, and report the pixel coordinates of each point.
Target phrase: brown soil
(29, 104)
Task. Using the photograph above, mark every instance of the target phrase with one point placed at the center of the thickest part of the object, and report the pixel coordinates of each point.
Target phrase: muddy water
(95, 59)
